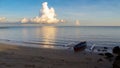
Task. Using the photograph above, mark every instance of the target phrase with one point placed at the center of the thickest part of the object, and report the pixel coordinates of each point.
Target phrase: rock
(105, 48)
(116, 63)
(101, 54)
(109, 55)
(116, 50)
(98, 50)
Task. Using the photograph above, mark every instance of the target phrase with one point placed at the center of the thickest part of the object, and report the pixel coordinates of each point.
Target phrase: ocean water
(62, 36)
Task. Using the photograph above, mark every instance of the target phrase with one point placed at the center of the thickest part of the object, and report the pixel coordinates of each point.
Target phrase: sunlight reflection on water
(48, 34)
(51, 36)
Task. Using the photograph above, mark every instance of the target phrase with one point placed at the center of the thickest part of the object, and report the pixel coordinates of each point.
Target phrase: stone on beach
(116, 63)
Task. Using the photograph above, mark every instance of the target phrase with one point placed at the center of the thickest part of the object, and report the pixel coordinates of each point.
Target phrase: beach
(13, 56)
(59, 34)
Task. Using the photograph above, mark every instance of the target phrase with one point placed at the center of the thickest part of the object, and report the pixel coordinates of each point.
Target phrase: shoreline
(13, 56)
(51, 46)
(32, 44)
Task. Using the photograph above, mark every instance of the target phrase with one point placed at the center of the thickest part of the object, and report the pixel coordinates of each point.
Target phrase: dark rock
(98, 50)
(105, 48)
(101, 54)
(116, 63)
(116, 50)
(109, 55)
(117, 58)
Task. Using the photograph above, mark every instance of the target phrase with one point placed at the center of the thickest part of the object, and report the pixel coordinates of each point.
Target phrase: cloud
(3, 19)
(77, 23)
(24, 20)
(47, 16)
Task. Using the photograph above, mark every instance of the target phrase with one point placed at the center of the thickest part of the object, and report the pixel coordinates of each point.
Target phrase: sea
(60, 36)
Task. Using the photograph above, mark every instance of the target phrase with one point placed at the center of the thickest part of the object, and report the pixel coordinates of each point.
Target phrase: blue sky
(88, 12)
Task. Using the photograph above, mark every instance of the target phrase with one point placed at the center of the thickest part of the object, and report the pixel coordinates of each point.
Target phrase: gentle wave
(61, 35)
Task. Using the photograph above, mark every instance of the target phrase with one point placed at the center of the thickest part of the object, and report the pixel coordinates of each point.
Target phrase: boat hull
(80, 47)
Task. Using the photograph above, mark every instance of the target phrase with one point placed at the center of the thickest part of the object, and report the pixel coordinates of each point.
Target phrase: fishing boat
(80, 46)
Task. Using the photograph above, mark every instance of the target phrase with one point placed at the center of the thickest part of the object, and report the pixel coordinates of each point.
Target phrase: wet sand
(12, 56)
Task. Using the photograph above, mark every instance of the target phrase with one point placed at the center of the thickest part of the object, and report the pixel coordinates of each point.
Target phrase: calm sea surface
(50, 36)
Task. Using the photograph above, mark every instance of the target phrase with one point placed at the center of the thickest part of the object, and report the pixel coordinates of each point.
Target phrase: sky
(87, 12)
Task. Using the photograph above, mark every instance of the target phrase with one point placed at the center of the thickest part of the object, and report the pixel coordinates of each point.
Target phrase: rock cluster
(116, 63)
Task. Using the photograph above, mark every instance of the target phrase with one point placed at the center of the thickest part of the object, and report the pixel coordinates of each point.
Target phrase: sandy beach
(12, 56)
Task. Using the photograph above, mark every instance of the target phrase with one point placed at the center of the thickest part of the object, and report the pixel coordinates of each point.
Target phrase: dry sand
(12, 56)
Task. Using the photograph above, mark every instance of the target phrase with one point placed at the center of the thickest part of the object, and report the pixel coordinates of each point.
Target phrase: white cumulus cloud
(47, 16)
(3, 19)
(24, 20)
